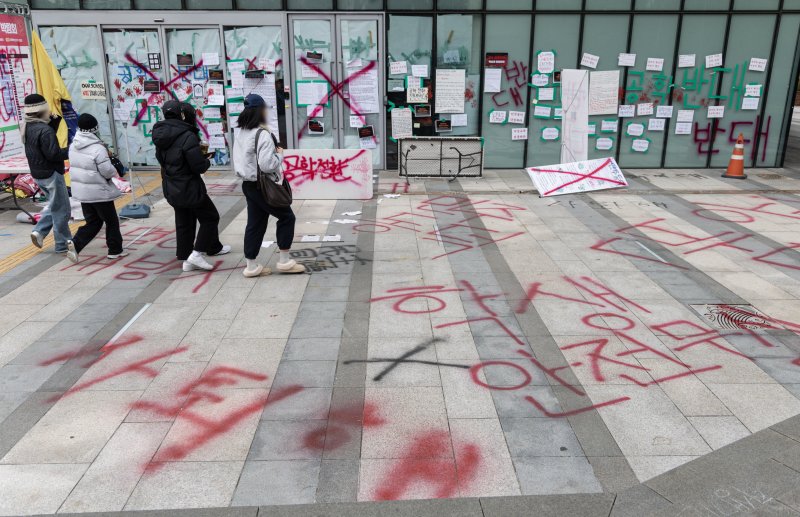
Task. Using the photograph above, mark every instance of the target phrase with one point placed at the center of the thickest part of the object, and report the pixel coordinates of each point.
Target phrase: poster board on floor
(329, 173)
(577, 177)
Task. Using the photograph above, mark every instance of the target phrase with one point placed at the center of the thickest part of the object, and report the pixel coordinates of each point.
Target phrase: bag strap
(258, 135)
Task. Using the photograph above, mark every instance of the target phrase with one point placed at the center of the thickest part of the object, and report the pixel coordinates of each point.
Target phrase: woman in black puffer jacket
(182, 164)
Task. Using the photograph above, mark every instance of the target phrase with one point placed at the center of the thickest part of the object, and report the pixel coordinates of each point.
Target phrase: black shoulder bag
(279, 196)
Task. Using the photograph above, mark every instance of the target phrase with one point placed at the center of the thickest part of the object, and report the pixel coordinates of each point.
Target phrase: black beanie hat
(172, 109)
(34, 99)
(87, 122)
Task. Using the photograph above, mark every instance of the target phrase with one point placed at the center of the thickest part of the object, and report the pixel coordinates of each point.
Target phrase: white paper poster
(519, 133)
(626, 60)
(627, 110)
(635, 129)
(604, 144)
(450, 88)
(550, 133)
(401, 123)
(589, 60)
(603, 92)
(686, 60)
(458, 120)
(492, 80)
(540, 79)
(575, 116)
(576, 177)
(542, 112)
(419, 70)
(716, 111)
(655, 64)
(656, 124)
(546, 94)
(365, 91)
(210, 58)
(685, 115)
(752, 90)
(497, 117)
(416, 95)
(516, 117)
(398, 67)
(644, 109)
(713, 60)
(750, 103)
(640, 145)
(683, 128)
(592, 129)
(314, 111)
(312, 92)
(545, 62)
(664, 111)
(609, 126)
(757, 64)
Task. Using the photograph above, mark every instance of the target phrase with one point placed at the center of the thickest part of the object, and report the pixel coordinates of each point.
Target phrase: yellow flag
(50, 85)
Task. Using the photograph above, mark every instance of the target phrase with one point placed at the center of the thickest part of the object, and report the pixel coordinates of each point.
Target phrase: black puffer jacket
(41, 148)
(182, 162)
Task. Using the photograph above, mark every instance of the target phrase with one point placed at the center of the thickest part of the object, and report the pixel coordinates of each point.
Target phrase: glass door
(135, 76)
(196, 77)
(338, 83)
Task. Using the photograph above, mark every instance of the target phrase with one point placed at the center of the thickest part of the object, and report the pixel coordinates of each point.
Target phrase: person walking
(46, 162)
(254, 150)
(182, 164)
(91, 171)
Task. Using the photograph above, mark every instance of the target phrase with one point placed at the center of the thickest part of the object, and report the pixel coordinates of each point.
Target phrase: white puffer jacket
(91, 170)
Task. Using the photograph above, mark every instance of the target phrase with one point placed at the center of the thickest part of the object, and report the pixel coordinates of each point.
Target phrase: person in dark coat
(46, 162)
(182, 165)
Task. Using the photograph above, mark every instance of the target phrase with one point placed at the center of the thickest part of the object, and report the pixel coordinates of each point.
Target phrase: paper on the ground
(267, 244)
(345, 221)
(332, 238)
(309, 238)
(391, 196)
(357, 212)
(574, 177)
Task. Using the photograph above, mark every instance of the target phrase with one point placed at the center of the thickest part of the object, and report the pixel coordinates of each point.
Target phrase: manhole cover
(765, 176)
(725, 316)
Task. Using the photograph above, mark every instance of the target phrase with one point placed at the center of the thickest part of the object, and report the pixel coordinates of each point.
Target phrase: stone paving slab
(464, 341)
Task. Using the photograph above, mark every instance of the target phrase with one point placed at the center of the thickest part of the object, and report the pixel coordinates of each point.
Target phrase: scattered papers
(267, 244)
(583, 176)
(332, 238)
(391, 196)
(358, 212)
(309, 238)
(345, 221)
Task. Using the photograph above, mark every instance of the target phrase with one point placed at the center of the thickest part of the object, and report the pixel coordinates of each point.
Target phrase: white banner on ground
(577, 177)
(329, 173)
(575, 121)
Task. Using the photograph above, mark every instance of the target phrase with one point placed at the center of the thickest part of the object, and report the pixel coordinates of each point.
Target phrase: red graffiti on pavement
(104, 352)
(342, 424)
(430, 460)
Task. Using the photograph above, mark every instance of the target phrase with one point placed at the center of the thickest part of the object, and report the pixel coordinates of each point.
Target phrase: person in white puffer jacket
(91, 171)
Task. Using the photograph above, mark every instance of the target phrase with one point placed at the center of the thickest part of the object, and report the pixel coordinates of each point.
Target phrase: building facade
(725, 66)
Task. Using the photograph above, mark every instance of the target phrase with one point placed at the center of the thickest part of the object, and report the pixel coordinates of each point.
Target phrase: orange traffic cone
(736, 165)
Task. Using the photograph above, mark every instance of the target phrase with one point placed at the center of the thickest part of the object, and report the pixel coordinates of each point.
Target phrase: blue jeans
(56, 216)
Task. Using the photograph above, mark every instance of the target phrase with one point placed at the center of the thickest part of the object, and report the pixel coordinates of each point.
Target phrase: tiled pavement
(464, 340)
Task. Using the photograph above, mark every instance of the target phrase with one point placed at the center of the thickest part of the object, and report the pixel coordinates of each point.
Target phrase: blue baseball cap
(254, 101)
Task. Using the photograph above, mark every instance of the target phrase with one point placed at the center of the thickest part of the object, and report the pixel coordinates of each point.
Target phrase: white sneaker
(291, 266)
(224, 251)
(117, 255)
(72, 253)
(196, 261)
(37, 239)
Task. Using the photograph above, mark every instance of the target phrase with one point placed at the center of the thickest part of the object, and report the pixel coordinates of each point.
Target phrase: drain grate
(769, 176)
(726, 316)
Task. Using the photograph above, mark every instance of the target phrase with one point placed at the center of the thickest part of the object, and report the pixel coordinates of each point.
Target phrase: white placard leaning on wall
(575, 121)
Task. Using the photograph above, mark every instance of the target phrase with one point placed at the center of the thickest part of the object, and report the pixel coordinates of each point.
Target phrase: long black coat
(182, 162)
(42, 150)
